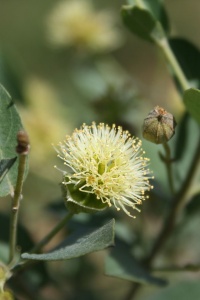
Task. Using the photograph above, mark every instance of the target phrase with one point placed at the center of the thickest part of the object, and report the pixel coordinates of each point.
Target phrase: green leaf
(77, 201)
(121, 264)
(10, 124)
(191, 99)
(141, 22)
(5, 165)
(182, 290)
(188, 57)
(79, 244)
(158, 11)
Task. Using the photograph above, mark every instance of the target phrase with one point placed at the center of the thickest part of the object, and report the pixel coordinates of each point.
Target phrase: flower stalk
(22, 149)
(163, 44)
(168, 162)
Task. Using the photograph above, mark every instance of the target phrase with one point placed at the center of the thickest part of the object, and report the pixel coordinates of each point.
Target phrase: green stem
(16, 205)
(168, 162)
(165, 47)
(52, 233)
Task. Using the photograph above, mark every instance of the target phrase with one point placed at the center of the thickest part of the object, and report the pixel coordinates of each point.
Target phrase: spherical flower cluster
(77, 24)
(107, 162)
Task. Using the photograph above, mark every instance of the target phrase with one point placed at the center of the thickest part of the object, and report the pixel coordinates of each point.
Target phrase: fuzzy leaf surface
(10, 124)
(79, 243)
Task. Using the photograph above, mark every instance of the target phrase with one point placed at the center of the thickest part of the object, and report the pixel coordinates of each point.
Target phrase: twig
(16, 205)
(168, 161)
(165, 47)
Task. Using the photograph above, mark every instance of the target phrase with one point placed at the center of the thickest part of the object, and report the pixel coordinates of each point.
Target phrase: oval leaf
(127, 268)
(141, 22)
(10, 124)
(79, 244)
(191, 99)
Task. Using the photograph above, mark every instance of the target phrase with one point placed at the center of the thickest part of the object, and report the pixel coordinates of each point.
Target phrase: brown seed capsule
(23, 145)
(159, 126)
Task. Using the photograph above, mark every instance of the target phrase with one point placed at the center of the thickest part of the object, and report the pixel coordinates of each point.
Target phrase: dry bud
(23, 144)
(159, 126)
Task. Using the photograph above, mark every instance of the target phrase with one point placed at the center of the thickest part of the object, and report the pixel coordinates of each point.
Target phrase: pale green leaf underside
(10, 124)
(79, 244)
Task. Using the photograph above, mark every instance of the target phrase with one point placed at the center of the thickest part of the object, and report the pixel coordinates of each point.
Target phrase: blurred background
(71, 62)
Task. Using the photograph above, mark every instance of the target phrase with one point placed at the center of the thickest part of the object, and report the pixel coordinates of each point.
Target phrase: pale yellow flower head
(76, 23)
(107, 162)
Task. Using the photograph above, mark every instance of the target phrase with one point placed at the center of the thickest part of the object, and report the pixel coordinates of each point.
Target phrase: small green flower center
(105, 167)
(101, 168)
